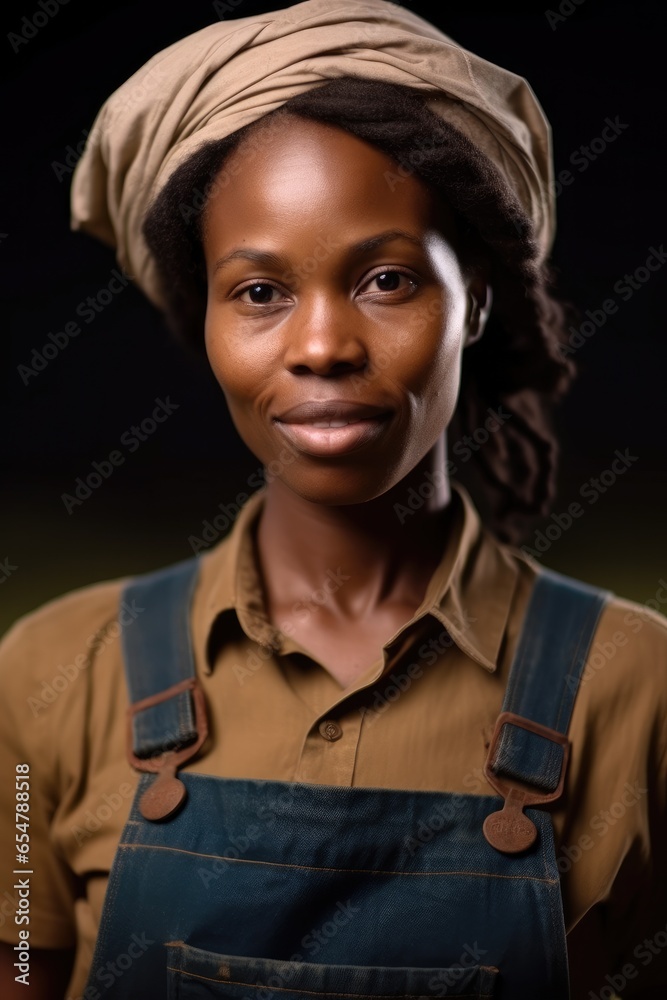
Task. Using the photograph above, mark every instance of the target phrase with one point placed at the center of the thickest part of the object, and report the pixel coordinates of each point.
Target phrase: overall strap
(528, 754)
(158, 657)
(557, 633)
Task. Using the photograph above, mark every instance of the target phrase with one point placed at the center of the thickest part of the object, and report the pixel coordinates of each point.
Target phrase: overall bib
(278, 890)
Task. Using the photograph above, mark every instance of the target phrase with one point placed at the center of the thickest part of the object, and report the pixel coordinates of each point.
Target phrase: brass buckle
(508, 829)
(167, 794)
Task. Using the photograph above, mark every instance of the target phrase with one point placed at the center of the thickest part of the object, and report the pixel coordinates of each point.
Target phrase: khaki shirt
(419, 718)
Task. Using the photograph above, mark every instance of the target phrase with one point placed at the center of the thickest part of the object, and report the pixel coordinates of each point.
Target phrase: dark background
(603, 60)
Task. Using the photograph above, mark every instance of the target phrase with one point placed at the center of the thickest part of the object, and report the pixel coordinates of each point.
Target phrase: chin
(336, 487)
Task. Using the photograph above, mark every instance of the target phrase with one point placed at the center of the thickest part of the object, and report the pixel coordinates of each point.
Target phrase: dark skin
(383, 324)
(325, 318)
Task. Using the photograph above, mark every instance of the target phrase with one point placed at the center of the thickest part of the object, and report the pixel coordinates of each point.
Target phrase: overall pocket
(194, 974)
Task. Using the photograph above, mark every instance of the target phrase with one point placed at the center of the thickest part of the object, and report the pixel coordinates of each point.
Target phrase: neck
(382, 551)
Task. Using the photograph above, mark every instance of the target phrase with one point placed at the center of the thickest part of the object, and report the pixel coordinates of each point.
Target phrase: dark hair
(517, 365)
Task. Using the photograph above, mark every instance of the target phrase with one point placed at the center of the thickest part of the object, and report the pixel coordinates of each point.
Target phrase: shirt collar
(470, 591)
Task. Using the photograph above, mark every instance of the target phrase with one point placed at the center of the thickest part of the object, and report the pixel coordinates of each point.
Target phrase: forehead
(293, 170)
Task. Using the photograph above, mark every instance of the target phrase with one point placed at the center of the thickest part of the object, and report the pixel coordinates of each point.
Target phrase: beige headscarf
(231, 73)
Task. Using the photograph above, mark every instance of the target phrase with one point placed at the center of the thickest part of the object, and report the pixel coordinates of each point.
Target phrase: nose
(324, 337)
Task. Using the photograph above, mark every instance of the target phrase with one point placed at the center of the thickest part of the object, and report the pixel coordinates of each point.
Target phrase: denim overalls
(239, 888)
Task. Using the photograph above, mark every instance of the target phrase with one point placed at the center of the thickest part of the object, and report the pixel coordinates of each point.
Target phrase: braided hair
(517, 368)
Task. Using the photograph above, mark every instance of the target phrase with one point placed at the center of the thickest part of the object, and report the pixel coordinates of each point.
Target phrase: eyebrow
(274, 260)
(247, 253)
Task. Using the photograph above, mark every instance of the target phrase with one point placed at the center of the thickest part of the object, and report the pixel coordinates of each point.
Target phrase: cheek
(243, 373)
(441, 393)
(434, 350)
(236, 362)
(435, 373)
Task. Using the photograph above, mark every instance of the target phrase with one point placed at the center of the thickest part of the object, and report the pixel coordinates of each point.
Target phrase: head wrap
(215, 81)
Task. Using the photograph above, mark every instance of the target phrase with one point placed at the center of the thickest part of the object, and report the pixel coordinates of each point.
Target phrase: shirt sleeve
(637, 938)
(40, 898)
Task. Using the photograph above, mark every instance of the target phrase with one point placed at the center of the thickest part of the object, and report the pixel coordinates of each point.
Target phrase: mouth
(332, 428)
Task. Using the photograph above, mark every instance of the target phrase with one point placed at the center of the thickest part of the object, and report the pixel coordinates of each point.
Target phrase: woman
(355, 222)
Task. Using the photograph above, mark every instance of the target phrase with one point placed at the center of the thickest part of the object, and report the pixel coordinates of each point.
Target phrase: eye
(259, 293)
(391, 280)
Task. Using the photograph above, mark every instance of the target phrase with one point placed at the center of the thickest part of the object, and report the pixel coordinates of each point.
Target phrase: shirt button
(330, 730)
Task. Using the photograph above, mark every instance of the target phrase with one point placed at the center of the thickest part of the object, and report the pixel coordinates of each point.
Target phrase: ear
(480, 299)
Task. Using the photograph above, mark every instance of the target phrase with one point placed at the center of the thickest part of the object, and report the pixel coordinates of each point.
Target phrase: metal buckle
(508, 829)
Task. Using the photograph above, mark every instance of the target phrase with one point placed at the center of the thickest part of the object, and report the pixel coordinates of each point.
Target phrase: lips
(332, 427)
(325, 411)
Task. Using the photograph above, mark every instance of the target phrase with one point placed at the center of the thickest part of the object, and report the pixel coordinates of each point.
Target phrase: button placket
(330, 765)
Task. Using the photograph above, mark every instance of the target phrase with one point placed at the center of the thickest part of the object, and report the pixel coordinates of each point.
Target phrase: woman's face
(337, 311)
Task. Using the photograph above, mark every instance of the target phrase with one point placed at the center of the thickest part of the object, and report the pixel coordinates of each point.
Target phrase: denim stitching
(319, 993)
(317, 868)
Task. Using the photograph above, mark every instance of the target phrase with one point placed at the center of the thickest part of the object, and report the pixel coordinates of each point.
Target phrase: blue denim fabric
(288, 890)
(195, 973)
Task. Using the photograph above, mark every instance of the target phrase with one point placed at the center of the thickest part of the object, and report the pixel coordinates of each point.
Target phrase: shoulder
(627, 622)
(78, 634)
(62, 682)
(46, 653)
(628, 656)
(65, 622)
(651, 613)
(623, 685)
